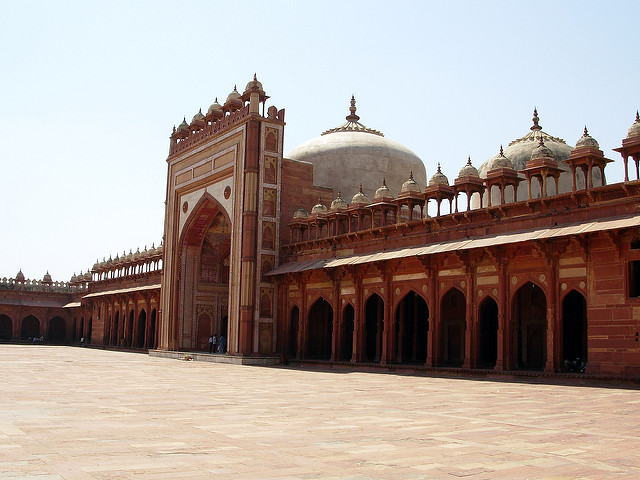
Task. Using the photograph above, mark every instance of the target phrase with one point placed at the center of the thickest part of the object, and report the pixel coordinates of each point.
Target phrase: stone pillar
(552, 317)
(388, 333)
(358, 322)
(469, 351)
(502, 357)
(434, 318)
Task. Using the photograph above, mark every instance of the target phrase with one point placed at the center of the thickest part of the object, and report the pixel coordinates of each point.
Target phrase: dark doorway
(57, 330)
(346, 337)
(30, 328)
(292, 344)
(453, 318)
(530, 315)
(140, 331)
(151, 342)
(319, 330)
(128, 340)
(574, 329)
(6, 327)
(114, 331)
(488, 351)
(374, 325)
(412, 327)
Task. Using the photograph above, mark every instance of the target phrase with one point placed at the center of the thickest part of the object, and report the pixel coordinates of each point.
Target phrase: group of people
(217, 345)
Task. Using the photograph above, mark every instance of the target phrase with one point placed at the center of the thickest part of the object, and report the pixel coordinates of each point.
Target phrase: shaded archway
(89, 331)
(292, 344)
(128, 338)
(319, 330)
(30, 327)
(114, 330)
(346, 333)
(151, 341)
(412, 327)
(574, 329)
(374, 325)
(141, 328)
(205, 330)
(6, 327)
(488, 338)
(57, 330)
(453, 324)
(530, 319)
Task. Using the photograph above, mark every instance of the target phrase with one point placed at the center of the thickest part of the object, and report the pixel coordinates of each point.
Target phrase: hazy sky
(91, 90)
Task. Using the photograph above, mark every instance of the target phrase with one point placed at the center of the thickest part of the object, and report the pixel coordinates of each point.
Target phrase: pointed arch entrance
(292, 344)
(488, 338)
(151, 341)
(128, 339)
(319, 330)
(6, 327)
(530, 315)
(57, 330)
(30, 327)
(346, 333)
(114, 330)
(453, 324)
(412, 327)
(574, 328)
(204, 259)
(140, 329)
(374, 325)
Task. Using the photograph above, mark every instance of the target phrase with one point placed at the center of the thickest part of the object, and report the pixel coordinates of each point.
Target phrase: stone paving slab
(79, 413)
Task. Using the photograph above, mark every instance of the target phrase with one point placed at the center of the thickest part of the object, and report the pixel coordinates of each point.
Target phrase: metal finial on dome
(535, 119)
(439, 170)
(501, 151)
(411, 175)
(360, 189)
(255, 77)
(586, 133)
(637, 116)
(541, 142)
(469, 160)
(352, 117)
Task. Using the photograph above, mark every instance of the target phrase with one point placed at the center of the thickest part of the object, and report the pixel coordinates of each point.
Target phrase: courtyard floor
(79, 413)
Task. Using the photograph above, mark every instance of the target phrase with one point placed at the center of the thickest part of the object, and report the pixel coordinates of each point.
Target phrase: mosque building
(343, 252)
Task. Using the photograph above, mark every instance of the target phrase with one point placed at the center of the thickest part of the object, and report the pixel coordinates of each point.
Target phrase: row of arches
(412, 323)
(131, 331)
(54, 330)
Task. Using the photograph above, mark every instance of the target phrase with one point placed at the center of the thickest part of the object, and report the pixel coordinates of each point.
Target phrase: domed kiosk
(353, 154)
(519, 153)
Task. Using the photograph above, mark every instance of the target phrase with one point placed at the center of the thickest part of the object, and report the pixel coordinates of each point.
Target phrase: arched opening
(89, 331)
(453, 320)
(151, 341)
(530, 316)
(412, 327)
(488, 341)
(205, 330)
(6, 328)
(292, 344)
(128, 339)
(74, 330)
(114, 330)
(346, 334)
(204, 262)
(574, 332)
(57, 330)
(30, 328)
(319, 330)
(374, 324)
(141, 328)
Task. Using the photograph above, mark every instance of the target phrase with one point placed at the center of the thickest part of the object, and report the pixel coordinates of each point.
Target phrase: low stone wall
(217, 358)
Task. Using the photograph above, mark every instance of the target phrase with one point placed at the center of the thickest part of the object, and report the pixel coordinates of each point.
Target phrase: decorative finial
(411, 175)
(469, 160)
(360, 189)
(384, 182)
(586, 133)
(235, 88)
(501, 152)
(439, 171)
(174, 128)
(339, 194)
(216, 100)
(535, 120)
(255, 78)
(200, 110)
(352, 117)
(541, 142)
(637, 117)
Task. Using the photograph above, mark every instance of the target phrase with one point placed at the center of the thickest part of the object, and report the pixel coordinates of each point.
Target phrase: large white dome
(352, 154)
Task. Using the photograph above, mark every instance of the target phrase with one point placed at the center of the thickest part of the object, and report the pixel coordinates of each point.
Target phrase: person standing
(214, 340)
(211, 341)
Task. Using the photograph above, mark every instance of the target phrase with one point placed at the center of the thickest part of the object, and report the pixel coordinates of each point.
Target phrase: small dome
(338, 203)
(587, 140)
(383, 193)
(300, 213)
(254, 85)
(198, 117)
(234, 96)
(542, 152)
(634, 130)
(318, 208)
(137, 255)
(74, 278)
(184, 126)
(96, 265)
(360, 198)
(20, 276)
(84, 278)
(438, 178)
(410, 186)
(129, 256)
(152, 250)
(215, 107)
(498, 161)
(47, 278)
(468, 170)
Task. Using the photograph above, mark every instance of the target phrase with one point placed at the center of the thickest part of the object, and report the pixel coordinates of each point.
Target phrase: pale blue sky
(91, 90)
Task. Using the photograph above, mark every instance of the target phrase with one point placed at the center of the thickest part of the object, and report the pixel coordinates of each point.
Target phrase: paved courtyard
(78, 413)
